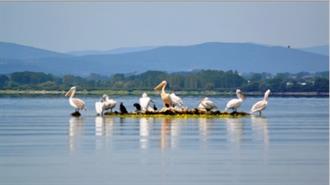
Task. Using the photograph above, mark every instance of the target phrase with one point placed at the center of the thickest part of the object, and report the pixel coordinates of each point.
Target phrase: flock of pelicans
(170, 102)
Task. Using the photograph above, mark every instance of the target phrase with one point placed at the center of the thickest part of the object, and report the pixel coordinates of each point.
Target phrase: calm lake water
(40, 143)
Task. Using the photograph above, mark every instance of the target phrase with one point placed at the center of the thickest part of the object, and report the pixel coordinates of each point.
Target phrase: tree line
(213, 80)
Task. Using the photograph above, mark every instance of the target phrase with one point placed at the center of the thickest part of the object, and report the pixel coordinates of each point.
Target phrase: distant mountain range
(113, 51)
(16, 51)
(243, 57)
(322, 50)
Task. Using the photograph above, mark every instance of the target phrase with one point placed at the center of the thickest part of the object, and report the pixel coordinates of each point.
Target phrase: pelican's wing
(233, 104)
(176, 100)
(79, 103)
(110, 104)
(259, 106)
(114, 103)
(201, 106)
(209, 104)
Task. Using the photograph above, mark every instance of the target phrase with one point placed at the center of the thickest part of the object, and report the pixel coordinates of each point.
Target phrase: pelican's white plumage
(104, 104)
(108, 103)
(169, 100)
(234, 104)
(76, 103)
(206, 104)
(99, 108)
(176, 100)
(145, 103)
(262, 104)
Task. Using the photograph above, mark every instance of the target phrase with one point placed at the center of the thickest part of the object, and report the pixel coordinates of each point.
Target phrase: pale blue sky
(102, 26)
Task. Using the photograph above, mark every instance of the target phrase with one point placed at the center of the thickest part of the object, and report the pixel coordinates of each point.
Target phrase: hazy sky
(102, 26)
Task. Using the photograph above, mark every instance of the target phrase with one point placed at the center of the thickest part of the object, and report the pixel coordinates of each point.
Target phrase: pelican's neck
(240, 96)
(163, 89)
(72, 93)
(266, 97)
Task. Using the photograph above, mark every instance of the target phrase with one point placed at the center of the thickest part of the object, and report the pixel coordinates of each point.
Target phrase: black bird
(155, 108)
(122, 108)
(137, 107)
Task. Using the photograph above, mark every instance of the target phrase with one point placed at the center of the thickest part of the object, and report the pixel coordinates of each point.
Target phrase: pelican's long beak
(159, 86)
(69, 93)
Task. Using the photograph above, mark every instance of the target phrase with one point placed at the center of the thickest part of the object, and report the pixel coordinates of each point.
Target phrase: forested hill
(244, 57)
(181, 81)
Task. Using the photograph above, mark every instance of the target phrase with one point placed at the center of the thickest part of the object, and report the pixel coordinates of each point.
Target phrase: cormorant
(122, 108)
(137, 107)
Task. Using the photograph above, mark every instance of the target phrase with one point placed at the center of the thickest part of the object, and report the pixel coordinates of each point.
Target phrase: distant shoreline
(139, 92)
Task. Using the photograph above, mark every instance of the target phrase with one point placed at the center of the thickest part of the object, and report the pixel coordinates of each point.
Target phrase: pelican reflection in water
(175, 131)
(76, 125)
(145, 128)
(164, 133)
(234, 130)
(103, 126)
(203, 128)
(260, 129)
(170, 132)
(103, 129)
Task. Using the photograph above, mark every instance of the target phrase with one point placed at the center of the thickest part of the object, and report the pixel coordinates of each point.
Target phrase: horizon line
(159, 46)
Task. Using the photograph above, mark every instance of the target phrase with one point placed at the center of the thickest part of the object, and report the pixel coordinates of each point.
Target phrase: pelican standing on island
(164, 96)
(145, 103)
(104, 104)
(169, 100)
(206, 105)
(261, 105)
(99, 108)
(76, 103)
(108, 103)
(234, 104)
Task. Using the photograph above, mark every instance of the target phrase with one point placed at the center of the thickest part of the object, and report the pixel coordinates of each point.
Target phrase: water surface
(40, 143)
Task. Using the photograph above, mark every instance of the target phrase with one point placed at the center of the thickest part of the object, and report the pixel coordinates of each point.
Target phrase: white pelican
(108, 103)
(145, 103)
(206, 104)
(164, 96)
(235, 103)
(77, 103)
(99, 108)
(262, 104)
(104, 104)
(169, 100)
